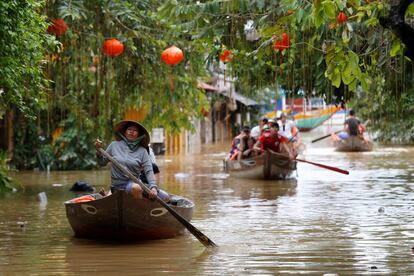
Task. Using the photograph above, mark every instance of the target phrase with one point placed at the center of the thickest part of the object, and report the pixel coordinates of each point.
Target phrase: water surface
(322, 222)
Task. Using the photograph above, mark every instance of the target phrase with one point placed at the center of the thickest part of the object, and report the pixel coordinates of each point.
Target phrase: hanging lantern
(58, 27)
(226, 56)
(280, 45)
(342, 18)
(204, 112)
(283, 43)
(172, 55)
(113, 47)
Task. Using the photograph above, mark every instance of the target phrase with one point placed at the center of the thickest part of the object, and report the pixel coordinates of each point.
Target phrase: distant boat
(264, 166)
(338, 118)
(308, 120)
(121, 217)
(352, 143)
(307, 113)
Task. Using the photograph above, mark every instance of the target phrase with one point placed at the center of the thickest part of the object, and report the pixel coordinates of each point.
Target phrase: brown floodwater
(320, 223)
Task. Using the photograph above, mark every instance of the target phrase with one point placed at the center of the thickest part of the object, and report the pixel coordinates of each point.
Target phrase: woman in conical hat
(130, 149)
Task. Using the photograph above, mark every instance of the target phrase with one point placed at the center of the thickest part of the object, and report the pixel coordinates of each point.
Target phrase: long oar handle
(325, 166)
(313, 163)
(326, 136)
(197, 233)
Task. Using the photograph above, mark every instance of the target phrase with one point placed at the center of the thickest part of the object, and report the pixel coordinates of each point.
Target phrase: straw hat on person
(122, 126)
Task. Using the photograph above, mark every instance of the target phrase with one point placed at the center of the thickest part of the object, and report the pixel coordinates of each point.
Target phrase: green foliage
(329, 59)
(74, 147)
(343, 46)
(85, 80)
(27, 141)
(6, 182)
(390, 111)
(24, 43)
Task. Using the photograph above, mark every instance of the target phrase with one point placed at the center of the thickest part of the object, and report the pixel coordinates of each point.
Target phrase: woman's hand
(153, 193)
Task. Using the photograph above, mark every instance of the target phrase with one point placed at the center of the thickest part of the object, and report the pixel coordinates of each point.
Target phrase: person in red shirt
(272, 140)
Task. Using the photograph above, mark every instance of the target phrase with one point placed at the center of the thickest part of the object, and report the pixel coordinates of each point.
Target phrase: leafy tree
(24, 43)
(89, 88)
(327, 57)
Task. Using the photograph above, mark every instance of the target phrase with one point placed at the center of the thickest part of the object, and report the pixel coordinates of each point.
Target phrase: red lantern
(113, 47)
(226, 56)
(204, 112)
(58, 27)
(172, 55)
(282, 44)
(342, 18)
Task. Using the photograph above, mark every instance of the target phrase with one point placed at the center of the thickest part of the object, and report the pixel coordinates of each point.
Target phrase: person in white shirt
(257, 130)
(287, 128)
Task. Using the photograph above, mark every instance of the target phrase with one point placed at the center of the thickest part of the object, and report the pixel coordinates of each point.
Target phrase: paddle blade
(193, 230)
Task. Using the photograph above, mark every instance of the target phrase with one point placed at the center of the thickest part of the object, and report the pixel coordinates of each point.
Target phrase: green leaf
(336, 78)
(395, 48)
(347, 76)
(329, 9)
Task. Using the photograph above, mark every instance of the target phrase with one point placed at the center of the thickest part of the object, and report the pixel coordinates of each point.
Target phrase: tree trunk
(9, 132)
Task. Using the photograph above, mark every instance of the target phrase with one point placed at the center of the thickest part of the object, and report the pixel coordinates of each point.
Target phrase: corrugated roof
(241, 98)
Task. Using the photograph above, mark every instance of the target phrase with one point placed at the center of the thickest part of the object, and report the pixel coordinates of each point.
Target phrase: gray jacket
(135, 161)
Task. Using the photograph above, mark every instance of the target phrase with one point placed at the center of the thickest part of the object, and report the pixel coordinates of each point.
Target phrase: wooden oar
(326, 136)
(313, 163)
(197, 233)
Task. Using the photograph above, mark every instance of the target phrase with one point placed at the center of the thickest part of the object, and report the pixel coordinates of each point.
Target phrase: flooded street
(322, 222)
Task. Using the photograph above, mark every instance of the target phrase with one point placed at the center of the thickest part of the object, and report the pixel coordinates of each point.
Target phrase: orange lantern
(58, 27)
(172, 55)
(342, 18)
(225, 57)
(113, 47)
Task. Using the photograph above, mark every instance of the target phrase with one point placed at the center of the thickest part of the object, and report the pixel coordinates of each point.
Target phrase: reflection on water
(319, 223)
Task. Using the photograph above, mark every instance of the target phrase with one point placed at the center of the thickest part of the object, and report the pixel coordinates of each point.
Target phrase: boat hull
(353, 143)
(121, 217)
(264, 166)
(309, 120)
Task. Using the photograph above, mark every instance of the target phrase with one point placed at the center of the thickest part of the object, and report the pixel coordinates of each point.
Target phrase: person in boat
(130, 149)
(242, 145)
(155, 167)
(352, 127)
(257, 130)
(272, 140)
(290, 131)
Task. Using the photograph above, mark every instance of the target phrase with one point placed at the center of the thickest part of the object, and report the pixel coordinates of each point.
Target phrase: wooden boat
(352, 143)
(120, 216)
(308, 120)
(264, 166)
